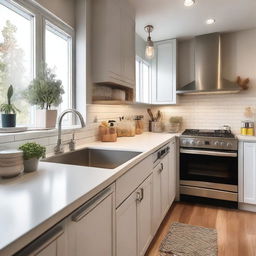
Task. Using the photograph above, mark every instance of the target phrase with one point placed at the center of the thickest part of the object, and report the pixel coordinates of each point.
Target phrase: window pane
(58, 57)
(16, 56)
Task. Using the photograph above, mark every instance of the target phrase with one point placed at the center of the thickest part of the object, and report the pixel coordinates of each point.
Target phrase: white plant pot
(31, 165)
(46, 118)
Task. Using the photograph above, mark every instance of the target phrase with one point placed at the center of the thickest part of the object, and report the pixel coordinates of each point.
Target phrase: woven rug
(188, 240)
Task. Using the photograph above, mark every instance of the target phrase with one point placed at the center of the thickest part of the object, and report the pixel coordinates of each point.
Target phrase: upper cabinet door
(113, 42)
(250, 173)
(164, 73)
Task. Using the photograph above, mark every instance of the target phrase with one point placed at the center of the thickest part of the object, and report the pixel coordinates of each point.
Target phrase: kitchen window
(30, 36)
(143, 81)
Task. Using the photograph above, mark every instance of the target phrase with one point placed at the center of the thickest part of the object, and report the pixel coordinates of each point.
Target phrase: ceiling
(171, 19)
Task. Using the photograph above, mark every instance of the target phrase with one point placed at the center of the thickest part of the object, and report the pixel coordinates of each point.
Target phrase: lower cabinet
(133, 221)
(90, 228)
(249, 173)
(172, 172)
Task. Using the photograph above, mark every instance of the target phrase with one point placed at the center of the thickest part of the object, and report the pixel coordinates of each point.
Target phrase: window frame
(141, 83)
(41, 17)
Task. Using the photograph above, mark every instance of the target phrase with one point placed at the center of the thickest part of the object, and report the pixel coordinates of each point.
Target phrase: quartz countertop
(32, 203)
(246, 138)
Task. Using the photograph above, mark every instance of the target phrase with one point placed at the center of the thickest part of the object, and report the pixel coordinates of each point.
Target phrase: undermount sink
(108, 159)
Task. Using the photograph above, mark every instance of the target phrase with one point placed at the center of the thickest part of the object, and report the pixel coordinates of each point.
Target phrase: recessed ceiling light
(210, 21)
(189, 2)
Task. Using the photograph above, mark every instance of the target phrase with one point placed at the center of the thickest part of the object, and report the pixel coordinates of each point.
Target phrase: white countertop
(32, 203)
(246, 138)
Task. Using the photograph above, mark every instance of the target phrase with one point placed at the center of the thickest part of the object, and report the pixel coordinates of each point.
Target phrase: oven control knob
(217, 143)
(229, 145)
(222, 144)
(199, 143)
(192, 143)
(184, 142)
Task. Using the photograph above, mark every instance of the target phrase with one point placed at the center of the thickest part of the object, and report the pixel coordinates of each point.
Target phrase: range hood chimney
(208, 70)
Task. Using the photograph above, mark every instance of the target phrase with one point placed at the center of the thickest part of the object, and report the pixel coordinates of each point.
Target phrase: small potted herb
(32, 152)
(8, 110)
(45, 91)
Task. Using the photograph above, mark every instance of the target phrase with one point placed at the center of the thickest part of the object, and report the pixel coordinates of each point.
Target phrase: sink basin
(108, 159)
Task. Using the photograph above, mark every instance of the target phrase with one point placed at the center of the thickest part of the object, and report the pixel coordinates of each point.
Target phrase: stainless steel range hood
(208, 71)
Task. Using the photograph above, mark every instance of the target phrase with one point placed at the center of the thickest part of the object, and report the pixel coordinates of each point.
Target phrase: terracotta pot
(31, 165)
(46, 118)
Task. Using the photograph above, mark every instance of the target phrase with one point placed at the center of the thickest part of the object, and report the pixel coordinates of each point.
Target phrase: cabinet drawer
(127, 183)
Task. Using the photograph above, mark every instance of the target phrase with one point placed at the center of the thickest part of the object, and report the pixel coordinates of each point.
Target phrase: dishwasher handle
(87, 207)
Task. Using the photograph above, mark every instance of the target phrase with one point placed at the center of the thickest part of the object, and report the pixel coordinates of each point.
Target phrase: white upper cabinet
(164, 72)
(249, 168)
(113, 42)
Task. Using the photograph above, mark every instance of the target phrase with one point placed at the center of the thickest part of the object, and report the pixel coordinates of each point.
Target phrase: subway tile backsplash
(198, 111)
(211, 111)
(96, 114)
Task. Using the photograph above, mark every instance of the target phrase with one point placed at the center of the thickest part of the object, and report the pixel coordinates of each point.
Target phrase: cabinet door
(164, 185)
(164, 73)
(90, 229)
(128, 48)
(172, 172)
(250, 173)
(144, 216)
(126, 227)
(157, 205)
(114, 61)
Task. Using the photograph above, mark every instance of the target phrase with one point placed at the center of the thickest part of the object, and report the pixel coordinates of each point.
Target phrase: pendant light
(150, 51)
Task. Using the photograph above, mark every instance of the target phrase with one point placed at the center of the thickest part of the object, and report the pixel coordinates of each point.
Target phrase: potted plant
(8, 110)
(45, 91)
(32, 152)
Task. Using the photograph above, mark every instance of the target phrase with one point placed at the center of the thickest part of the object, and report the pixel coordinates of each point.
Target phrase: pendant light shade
(150, 51)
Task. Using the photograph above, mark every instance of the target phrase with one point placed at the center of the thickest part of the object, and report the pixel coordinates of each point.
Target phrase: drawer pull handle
(42, 242)
(84, 209)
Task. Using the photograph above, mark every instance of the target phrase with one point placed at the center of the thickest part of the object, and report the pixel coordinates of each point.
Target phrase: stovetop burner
(209, 133)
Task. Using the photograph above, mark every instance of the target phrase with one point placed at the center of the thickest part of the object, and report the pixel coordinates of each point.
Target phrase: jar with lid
(250, 129)
(139, 126)
(244, 125)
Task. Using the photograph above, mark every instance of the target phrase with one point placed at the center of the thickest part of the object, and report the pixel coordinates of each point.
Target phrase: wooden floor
(236, 229)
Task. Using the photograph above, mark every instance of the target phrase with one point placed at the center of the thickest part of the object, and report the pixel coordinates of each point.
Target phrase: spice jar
(243, 128)
(250, 129)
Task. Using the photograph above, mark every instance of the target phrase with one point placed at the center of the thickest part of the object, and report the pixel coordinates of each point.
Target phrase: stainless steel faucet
(59, 147)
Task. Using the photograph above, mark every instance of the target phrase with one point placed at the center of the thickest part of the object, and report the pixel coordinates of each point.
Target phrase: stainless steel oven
(209, 168)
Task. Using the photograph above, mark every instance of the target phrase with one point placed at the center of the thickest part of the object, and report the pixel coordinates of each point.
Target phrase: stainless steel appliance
(208, 68)
(209, 166)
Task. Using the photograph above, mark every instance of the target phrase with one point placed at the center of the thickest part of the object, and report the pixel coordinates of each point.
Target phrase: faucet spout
(58, 149)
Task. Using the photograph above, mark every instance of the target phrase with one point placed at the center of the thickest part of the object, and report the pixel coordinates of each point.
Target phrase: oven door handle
(207, 152)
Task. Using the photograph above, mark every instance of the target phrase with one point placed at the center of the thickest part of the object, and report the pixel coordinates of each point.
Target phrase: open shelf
(112, 102)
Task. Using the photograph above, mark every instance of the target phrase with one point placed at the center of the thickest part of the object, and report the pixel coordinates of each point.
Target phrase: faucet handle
(58, 149)
(72, 143)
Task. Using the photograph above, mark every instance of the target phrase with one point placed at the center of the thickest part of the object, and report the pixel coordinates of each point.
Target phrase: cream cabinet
(113, 42)
(90, 228)
(249, 173)
(164, 72)
(172, 158)
(164, 186)
(133, 221)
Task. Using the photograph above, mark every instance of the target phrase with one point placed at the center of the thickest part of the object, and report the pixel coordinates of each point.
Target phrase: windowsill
(36, 133)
